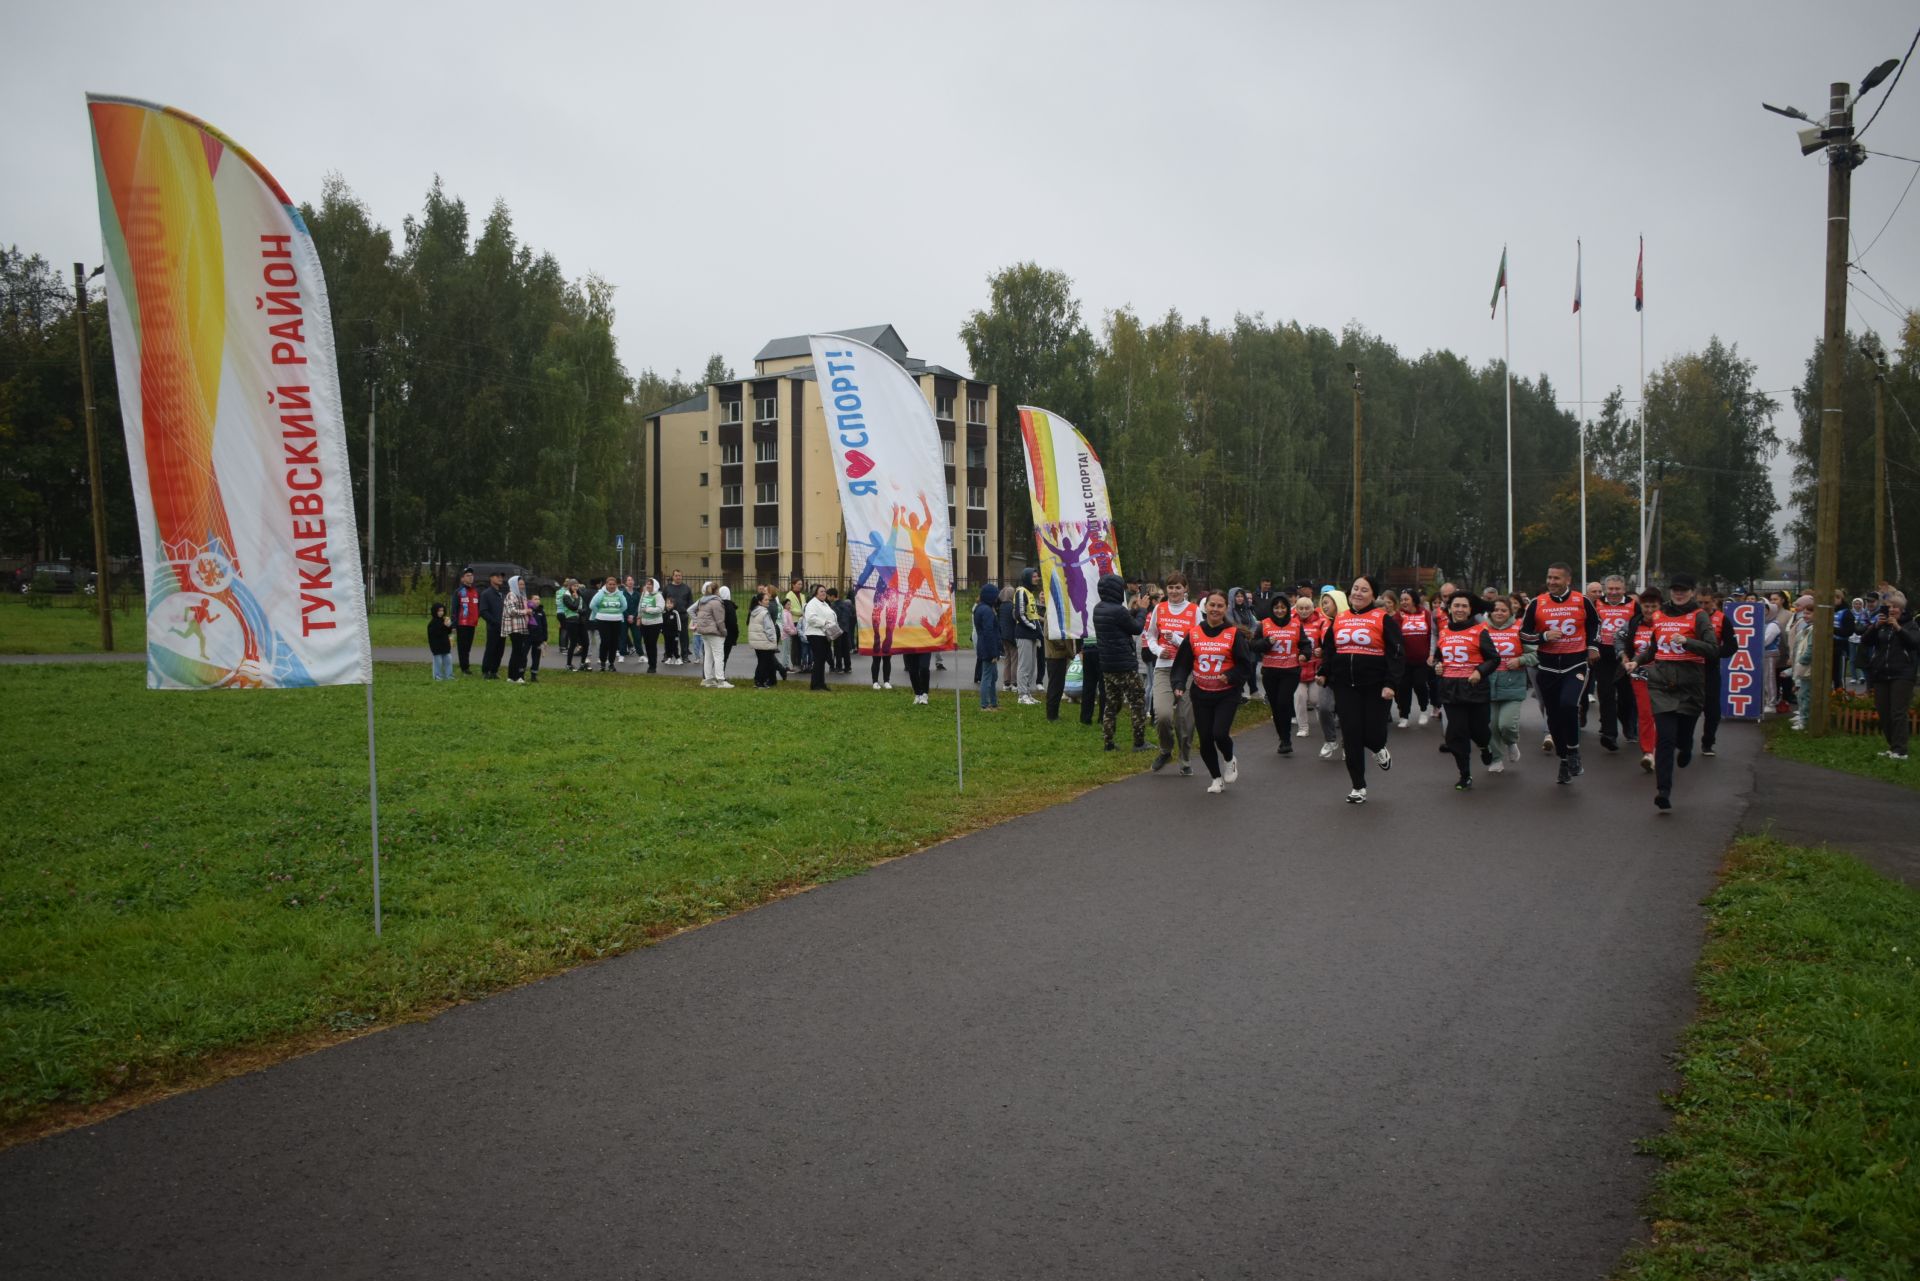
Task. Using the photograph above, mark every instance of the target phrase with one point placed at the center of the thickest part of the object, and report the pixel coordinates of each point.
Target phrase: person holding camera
(1893, 644)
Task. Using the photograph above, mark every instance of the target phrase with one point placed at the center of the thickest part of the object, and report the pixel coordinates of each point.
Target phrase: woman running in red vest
(1361, 666)
(1647, 605)
(1210, 668)
(1288, 646)
(1464, 657)
(1417, 625)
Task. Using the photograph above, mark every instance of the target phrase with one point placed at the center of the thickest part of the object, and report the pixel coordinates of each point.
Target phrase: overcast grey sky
(1362, 162)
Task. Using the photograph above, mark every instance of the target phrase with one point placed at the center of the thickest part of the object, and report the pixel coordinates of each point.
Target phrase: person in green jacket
(1507, 687)
(651, 608)
(567, 604)
(608, 609)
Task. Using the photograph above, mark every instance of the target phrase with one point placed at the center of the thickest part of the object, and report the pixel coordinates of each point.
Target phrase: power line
(1889, 222)
(1890, 88)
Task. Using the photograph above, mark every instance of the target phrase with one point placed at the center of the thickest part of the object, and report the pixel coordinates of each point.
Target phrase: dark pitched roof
(883, 337)
(691, 405)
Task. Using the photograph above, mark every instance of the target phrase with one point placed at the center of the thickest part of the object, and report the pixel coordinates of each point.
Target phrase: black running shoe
(1609, 744)
(1573, 759)
(1664, 805)
(1683, 757)
(1286, 748)
(1464, 785)
(1486, 756)
(1566, 770)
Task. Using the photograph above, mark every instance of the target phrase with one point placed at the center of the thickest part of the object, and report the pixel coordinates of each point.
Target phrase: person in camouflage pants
(1124, 685)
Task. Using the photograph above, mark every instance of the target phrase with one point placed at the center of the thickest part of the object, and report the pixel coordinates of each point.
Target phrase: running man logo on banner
(223, 346)
(1072, 520)
(886, 458)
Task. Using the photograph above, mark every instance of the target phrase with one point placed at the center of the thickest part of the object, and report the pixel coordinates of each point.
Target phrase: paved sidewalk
(1149, 1033)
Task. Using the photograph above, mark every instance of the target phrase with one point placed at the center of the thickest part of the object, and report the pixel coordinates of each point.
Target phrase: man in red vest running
(1567, 629)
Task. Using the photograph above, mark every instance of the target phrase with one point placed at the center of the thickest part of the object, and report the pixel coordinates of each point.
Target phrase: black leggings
(919, 671)
(1417, 683)
(766, 668)
(1673, 739)
(1469, 725)
(1364, 717)
(609, 640)
(882, 668)
(1213, 723)
(1280, 682)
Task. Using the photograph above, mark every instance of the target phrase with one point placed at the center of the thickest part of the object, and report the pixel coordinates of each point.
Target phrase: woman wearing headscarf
(1362, 666)
(513, 622)
(1333, 603)
(730, 619)
(709, 622)
(651, 609)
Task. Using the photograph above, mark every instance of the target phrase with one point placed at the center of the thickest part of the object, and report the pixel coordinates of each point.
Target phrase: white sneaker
(1231, 771)
(1358, 796)
(1300, 731)
(886, 684)
(1498, 767)
(1383, 758)
(876, 684)
(1646, 761)
(920, 700)
(1327, 750)
(1546, 744)
(1513, 751)
(1423, 718)
(705, 683)
(1216, 787)
(1402, 723)
(723, 684)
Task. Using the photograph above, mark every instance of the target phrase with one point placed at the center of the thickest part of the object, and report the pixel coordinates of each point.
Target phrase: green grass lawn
(1795, 1135)
(185, 877)
(1854, 753)
(64, 628)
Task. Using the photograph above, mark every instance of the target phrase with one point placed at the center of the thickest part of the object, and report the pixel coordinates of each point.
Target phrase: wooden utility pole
(1842, 156)
(1879, 359)
(1359, 559)
(103, 580)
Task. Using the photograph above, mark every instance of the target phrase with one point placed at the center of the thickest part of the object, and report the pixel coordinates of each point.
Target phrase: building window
(946, 452)
(766, 409)
(703, 562)
(729, 495)
(976, 412)
(729, 411)
(949, 493)
(705, 519)
(976, 455)
(703, 435)
(766, 537)
(767, 491)
(943, 408)
(731, 540)
(703, 478)
(976, 542)
(977, 496)
(766, 451)
(729, 454)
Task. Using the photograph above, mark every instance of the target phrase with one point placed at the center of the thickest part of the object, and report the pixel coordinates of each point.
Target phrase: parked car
(56, 575)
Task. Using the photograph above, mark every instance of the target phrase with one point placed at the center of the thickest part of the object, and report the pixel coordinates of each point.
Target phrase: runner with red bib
(1675, 650)
(1417, 626)
(1464, 656)
(1567, 629)
(1361, 666)
(1616, 609)
(1647, 605)
(1288, 647)
(1210, 667)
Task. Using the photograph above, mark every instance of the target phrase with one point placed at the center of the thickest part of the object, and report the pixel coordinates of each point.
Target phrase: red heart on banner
(858, 464)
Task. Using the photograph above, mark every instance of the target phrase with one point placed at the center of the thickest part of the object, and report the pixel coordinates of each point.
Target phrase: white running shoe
(876, 684)
(1358, 796)
(1383, 758)
(1513, 751)
(1402, 724)
(886, 684)
(1498, 767)
(920, 700)
(1327, 750)
(1300, 731)
(723, 684)
(1423, 718)
(1546, 744)
(1231, 771)
(1646, 761)
(1216, 787)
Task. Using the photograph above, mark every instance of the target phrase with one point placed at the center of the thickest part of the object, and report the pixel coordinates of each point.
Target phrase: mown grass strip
(1795, 1134)
(184, 877)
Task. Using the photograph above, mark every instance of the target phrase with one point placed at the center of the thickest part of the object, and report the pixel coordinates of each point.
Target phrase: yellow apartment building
(741, 479)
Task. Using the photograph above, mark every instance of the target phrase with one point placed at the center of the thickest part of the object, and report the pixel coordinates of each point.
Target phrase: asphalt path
(1150, 1033)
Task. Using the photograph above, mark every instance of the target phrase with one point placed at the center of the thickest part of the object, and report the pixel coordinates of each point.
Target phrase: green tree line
(1229, 449)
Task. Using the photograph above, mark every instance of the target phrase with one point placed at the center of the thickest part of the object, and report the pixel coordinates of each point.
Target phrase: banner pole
(373, 800)
(1581, 343)
(959, 738)
(1507, 325)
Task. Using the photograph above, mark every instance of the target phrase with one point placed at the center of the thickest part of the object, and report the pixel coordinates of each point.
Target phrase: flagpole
(1581, 342)
(1507, 325)
(959, 740)
(1639, 305)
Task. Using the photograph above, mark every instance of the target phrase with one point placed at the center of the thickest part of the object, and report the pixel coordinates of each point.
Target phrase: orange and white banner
(231, 401)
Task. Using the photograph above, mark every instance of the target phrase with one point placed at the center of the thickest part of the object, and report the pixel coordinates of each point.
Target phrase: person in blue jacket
(988, 646)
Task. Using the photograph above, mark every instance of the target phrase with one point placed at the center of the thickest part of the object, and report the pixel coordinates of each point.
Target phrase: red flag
(1639, 277)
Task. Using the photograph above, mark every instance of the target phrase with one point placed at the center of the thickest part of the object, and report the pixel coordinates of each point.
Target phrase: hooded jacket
(1115, 627)
(763, 627)
(513, 608)
(1241, 616)
(706, 618)
(1028, 608)
(1458, 689)
(651, 606)
(987, 641)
